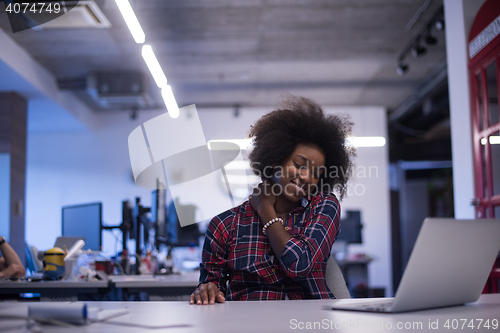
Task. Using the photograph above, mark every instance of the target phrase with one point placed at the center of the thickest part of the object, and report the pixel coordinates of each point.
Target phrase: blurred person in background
(10, 264)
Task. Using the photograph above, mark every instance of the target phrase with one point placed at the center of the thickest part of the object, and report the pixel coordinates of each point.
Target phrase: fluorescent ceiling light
(366, 141)
(358, 141)
(242, 180)
(494, 140)
(240, 192)
(170, 102)
(238, 165)
(242, 143)
(133, 24)
(154, 66)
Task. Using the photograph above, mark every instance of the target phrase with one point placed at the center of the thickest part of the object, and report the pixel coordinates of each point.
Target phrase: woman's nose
(305, 175)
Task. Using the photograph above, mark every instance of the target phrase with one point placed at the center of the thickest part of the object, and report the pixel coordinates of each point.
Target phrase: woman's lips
(299, 189)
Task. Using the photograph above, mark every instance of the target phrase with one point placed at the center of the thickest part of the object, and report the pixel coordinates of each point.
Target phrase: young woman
(276, 245)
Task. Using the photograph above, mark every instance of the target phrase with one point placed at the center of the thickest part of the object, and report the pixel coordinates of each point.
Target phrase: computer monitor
(178, 236)
(351, 228)
(127, 222)
(84, 221)
(158, 211)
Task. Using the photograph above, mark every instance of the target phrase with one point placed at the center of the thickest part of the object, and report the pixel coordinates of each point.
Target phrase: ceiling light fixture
(149, 57)
(355, 141)
(418, 50)
(170, 102)
(424, 35)
(366, 141)
(401, 69)
(238, 165)
(494, 140)
(429, 39)
(154, 66)
(242, 143)
(439, 25)
(242, 179)
(131, 20)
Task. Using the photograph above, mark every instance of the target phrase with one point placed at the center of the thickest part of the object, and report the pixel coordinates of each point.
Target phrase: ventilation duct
(84, 14)
(120, 90)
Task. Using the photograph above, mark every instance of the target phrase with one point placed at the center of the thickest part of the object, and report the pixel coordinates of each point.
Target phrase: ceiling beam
(24, 75)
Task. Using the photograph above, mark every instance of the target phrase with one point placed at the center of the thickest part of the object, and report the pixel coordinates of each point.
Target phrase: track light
(418, 50)
(154, 66)
(170, 102)
(430, 40)
(402, 69)
(415, 45)
(439, 25)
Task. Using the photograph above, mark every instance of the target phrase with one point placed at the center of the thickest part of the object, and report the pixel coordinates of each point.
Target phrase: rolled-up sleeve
(213, 267)
(314, 243)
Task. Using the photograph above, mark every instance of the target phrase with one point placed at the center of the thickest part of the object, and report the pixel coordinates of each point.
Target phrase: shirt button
(286, 228)
(283, 286)
(273, 270)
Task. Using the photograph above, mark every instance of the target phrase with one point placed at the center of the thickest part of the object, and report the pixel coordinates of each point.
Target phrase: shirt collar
(249, 210)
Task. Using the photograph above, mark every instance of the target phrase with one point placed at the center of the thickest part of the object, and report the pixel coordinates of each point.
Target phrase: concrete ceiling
(222, 52)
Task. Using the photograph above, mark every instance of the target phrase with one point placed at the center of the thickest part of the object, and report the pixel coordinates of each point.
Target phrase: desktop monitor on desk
(84, 221)
(168, 229)
(350, 233)
(158, 212)
(350, 228)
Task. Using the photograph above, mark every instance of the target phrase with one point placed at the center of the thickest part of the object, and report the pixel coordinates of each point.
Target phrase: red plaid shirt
(237, 251)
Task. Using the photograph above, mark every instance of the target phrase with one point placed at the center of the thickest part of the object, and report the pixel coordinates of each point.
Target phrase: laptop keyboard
(379, 306)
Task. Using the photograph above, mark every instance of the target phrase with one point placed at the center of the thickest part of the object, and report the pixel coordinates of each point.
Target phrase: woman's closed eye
(302, 167)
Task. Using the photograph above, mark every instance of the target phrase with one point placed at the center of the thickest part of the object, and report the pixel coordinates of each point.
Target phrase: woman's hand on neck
(262, 198)
(283, 206)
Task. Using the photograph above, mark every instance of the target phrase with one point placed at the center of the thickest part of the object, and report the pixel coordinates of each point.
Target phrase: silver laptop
(448, 266)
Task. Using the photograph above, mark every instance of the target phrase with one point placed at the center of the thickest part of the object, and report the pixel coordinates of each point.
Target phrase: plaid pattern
(236, 251)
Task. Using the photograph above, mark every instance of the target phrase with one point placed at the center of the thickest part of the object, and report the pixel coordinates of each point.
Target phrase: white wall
(459, 15)
(369, 192)
(5, 195)
(74, 167)
(65, 168)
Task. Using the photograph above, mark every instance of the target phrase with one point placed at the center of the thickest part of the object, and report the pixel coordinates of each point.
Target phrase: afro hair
(300, 120)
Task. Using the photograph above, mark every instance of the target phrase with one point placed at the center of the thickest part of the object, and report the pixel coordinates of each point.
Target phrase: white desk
(275, 316)
(63, 290)
(173, 287)
(189, 280)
